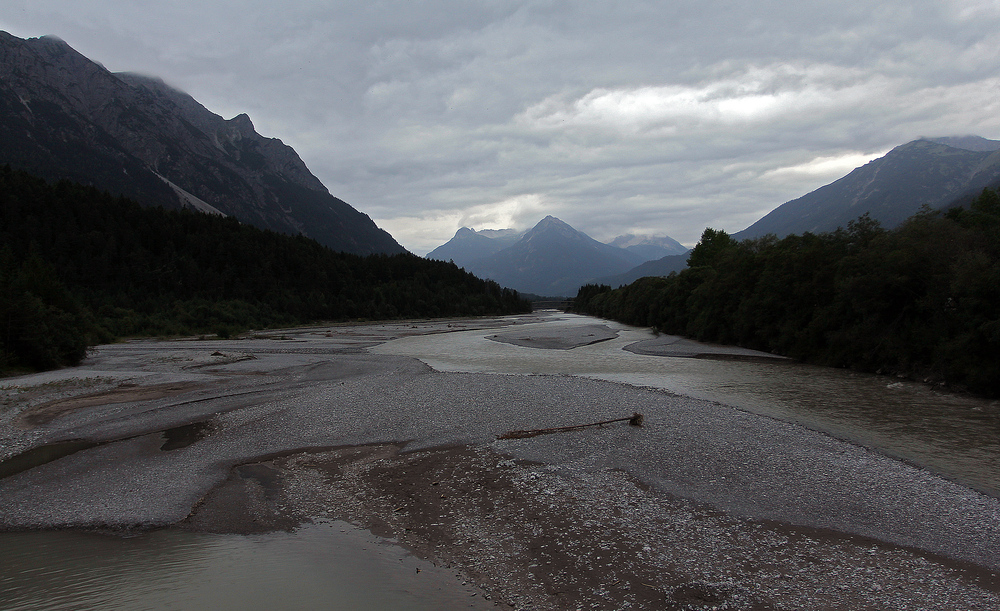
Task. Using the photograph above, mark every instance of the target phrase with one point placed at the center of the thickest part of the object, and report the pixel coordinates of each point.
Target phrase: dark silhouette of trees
(922, 300)
(80, 266)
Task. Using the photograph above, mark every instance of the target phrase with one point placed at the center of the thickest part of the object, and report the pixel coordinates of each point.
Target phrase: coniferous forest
(922, 300)
(79, 267)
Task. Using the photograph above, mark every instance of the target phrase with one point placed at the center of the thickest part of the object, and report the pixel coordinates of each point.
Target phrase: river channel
(953, 435)
(273, 393)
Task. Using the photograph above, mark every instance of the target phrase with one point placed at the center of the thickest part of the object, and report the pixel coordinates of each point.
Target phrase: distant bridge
(551, 304)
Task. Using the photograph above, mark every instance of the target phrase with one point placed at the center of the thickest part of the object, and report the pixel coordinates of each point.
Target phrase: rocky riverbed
(703, 507)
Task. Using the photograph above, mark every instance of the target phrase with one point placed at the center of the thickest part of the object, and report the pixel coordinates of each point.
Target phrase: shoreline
(532, 537)
(701, 503)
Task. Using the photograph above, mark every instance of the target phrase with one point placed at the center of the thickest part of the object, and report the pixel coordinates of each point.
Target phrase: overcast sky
(661, 117)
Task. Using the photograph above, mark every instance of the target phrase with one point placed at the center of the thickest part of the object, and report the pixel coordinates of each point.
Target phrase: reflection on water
(958, 437)
(325, 566)
(949, 434)
(182, 436)
(41, 455)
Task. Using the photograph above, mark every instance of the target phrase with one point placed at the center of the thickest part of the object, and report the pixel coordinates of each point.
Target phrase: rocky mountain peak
(649, 247)
(553, 258)
(242, 125)
(501, 234)
(53, 46)
(66, 116)
(551, 225)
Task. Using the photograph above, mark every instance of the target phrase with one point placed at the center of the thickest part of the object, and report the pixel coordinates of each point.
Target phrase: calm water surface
(321, 566)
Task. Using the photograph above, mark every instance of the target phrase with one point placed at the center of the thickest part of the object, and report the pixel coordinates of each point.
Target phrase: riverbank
(704, 506)
(533, 537)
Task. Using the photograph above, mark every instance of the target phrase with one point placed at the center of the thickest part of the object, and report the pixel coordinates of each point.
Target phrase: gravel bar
(704, 507)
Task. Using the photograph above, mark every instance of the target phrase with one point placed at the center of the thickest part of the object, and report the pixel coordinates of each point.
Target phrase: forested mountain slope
(65, 116)
(79, 266)
(890, 189)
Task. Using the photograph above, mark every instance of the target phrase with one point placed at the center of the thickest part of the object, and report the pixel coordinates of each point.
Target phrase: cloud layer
(634, 117)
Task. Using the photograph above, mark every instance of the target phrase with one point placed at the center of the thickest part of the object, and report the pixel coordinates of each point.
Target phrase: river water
(958, 437)
(330, 566)
(952, 435)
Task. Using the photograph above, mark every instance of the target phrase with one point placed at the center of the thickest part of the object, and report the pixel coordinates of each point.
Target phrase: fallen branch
(634, 420)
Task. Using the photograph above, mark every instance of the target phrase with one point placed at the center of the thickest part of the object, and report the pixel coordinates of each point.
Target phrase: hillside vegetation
(79, 266)
(922, 300)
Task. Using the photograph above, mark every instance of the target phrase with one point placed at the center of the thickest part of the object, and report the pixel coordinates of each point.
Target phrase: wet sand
(705, 507)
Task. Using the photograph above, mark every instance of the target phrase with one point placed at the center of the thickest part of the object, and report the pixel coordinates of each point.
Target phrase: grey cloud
(632, 116)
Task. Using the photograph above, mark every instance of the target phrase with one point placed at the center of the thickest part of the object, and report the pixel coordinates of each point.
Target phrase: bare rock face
(66, 116)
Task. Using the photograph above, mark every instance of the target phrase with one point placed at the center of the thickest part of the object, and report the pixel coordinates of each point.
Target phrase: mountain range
(649, 247)
(67, 117)
(550, 259)
(934, 172)
(469, 246)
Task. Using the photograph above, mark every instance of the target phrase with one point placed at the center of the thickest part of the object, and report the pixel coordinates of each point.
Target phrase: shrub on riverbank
(79, 266)
(922, 300)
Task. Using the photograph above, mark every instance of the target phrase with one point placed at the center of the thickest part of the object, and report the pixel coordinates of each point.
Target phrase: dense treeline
(922, 300)
(79, 266)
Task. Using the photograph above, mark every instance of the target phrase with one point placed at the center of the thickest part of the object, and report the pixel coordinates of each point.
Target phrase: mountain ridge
(649, 247)
(69, 117)
(468, 245)
(929, 171)
(964, 165)
(484, 252)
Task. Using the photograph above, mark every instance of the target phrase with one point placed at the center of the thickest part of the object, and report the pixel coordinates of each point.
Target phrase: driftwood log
(634, 420)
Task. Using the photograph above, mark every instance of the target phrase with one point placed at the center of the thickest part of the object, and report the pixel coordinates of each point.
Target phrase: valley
(393, 427)
(229, 388)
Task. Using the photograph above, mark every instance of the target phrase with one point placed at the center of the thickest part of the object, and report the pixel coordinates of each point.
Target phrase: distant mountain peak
(500, 233)
(552, 258)
(66, 116)
(243, 123)
(649, 247)
(552, 224)
(628, 239)
(550, 221)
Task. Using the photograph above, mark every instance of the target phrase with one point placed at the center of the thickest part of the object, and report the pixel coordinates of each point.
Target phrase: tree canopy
(80, 266)
(922, 300)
